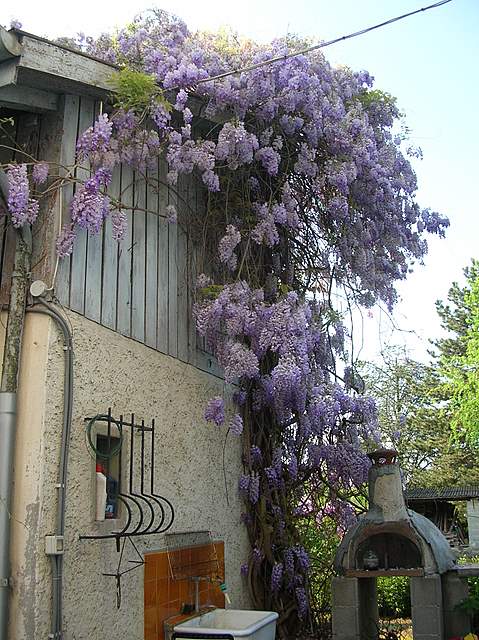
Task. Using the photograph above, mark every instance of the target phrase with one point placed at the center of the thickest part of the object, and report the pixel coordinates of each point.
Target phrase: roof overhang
(35, 71)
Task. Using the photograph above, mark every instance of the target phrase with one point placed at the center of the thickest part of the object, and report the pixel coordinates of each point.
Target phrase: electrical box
(54, 545)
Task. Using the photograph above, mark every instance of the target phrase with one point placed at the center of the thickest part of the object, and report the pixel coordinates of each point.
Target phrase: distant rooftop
(447, 493)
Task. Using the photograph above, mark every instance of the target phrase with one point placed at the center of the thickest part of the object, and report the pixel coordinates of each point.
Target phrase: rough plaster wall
(111, 370)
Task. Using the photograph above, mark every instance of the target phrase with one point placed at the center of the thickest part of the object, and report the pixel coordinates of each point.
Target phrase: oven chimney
(386, 500)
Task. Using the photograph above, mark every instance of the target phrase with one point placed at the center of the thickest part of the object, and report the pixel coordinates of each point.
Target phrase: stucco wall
(111, 370)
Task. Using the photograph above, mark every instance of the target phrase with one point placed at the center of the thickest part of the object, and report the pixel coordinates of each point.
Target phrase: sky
(428, 61)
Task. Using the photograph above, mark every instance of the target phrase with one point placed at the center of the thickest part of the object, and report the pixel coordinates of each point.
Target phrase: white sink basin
(255, 625)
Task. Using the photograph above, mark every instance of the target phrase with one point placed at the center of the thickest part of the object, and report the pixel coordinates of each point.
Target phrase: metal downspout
(8, 404)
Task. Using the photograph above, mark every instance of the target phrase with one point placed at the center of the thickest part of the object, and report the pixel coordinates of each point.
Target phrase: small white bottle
(100, 493)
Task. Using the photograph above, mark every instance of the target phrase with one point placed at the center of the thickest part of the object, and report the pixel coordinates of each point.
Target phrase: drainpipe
(8, 392)
(8, 404)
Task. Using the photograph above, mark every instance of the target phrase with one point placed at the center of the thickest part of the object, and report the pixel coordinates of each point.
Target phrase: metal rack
(147, 512)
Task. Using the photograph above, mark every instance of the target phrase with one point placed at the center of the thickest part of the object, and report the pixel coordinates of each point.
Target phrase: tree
(459, 356)
(455, 316)
(430, 411)
(410, 417)
(415, 418)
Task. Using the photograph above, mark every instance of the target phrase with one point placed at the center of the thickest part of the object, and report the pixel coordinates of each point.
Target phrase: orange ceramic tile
(174, 561)
(150, 566)
(150, 621)
(174, 589)
(149, 593)
(162, 595)
(174, 608)
(186, 591)
(195, 554)
(163, 614)
(162, 569)
(218, 599)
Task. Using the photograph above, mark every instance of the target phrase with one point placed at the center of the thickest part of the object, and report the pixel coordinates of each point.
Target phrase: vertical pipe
(142, 485)
(152, 457)
(8, 404)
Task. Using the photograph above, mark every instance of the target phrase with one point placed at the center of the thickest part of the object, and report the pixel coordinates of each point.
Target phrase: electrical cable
(44, 307)
(115, 449)
(315, 47)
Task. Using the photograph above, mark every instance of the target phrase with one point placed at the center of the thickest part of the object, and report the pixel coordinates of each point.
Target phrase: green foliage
(394, 599)
(457, 356)
(136, 90)
(470, 605)
(455, 314)
(321, 542)
(210, 292)
(371, 96)
(415, 419)
(462, 371)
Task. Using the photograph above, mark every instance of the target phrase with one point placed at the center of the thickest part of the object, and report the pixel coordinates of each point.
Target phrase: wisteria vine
(307, 191)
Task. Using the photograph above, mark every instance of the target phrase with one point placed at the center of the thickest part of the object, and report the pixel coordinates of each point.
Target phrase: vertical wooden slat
(163, 260)
(94, 260)
(182, 258)
(194, 202)
(79, 255)
(138, 265)
(110, 261)
(93, 277)
(3, 244)
(173, 280)
(7, 264)
(67, 158)
(151, 276)
(123, 321)
(8, 135)
(26, 143)
(7, 235)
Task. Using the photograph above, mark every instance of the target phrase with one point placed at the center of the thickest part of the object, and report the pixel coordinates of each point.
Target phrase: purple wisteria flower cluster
(316, 423)
(22, 208)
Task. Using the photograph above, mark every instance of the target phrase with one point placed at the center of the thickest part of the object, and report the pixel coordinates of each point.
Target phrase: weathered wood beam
(27, 99)
(62, 70)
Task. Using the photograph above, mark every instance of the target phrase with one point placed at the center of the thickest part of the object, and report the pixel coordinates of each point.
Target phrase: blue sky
(429, 62)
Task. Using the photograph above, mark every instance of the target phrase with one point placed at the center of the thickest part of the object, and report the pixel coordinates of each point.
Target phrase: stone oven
(391, 540)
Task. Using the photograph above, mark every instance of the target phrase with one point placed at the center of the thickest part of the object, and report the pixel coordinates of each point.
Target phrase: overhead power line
(322, 45)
